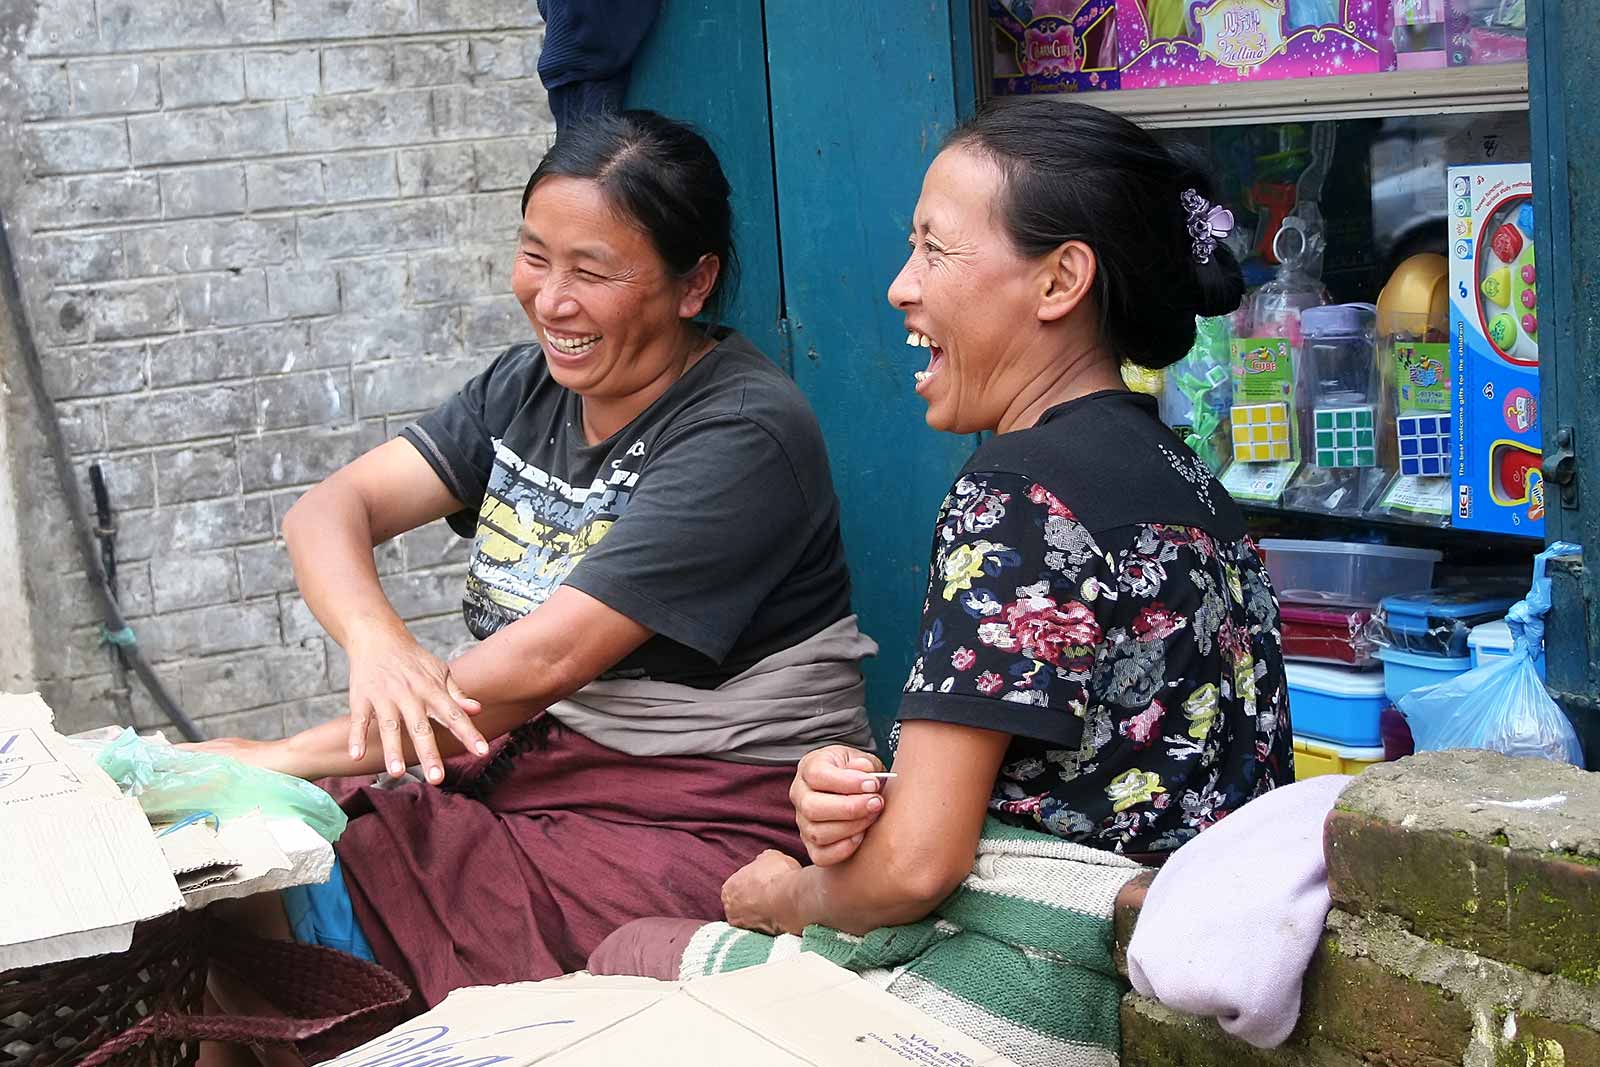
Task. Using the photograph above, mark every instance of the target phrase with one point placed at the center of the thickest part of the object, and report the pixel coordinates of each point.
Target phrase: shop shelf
(1441, 91)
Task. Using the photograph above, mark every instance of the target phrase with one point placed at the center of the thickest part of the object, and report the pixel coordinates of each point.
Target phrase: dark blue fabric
(588, 50)
(571, 102)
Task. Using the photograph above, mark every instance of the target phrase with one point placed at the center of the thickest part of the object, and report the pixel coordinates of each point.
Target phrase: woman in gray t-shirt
(656, 559)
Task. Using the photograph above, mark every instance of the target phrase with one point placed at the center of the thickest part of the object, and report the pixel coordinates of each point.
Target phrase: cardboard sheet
(802, 1011)
(81, 864)
(272, 854)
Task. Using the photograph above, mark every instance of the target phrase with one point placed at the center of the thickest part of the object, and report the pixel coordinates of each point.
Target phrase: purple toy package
(1170, 42)
(1053, 46)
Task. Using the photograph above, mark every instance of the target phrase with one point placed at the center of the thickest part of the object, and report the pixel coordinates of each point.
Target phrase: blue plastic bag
(1502, 705)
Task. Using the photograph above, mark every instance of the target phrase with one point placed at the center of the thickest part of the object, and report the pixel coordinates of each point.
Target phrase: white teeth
(919, 340)
(920, 375)
(911, 339)
(574, 346)
(927, 342)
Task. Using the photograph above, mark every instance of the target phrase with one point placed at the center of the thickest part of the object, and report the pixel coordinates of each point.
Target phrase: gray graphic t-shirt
(711, 518)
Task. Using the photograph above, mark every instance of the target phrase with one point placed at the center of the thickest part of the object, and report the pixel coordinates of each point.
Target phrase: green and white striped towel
(1018, 958)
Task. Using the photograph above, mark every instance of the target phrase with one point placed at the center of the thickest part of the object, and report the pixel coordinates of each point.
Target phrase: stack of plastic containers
(1328, 591)
(1427, 635)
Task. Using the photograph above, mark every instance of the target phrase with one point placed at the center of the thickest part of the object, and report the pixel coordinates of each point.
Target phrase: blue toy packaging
(1494, 343)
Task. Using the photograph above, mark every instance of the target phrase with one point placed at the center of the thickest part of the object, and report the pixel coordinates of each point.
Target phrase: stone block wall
(254, 239)
(1465, 929)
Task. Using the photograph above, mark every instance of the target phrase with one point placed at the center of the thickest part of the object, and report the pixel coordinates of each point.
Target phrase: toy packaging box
(1053, 46)
(1494, 343)
(1483, 32)
(1266, 446)
(1172, 42)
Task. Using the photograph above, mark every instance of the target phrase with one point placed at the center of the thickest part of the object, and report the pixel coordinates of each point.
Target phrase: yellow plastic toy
(1416, 298)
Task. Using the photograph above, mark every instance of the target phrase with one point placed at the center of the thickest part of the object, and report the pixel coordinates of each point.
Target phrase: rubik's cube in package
(1346, 437)
(1494, 343)
(1261, 432)
(1262, 422)
(1424, 444)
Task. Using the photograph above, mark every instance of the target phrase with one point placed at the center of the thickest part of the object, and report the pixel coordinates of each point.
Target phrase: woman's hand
(402, 685)
(268, 755)
(752, 896)
(836, 800)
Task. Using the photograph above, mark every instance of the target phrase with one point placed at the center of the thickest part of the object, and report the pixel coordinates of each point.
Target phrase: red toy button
(1506, 242)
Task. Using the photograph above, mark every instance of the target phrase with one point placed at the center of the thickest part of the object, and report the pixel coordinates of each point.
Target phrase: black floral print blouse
(1093, 593)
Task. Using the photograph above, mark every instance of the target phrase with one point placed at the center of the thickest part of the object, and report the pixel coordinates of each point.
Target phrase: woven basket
(321, 1003)
(62, 1012)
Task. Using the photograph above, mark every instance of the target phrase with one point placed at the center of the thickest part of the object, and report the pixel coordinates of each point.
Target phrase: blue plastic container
(1437, 622)
(1336, 705)
(1404, 671)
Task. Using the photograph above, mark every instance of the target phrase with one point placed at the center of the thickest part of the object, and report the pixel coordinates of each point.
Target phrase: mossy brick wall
(254, 239)
(1465, 929)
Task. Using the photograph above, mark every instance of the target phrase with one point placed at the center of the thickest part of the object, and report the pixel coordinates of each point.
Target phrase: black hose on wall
(88, 550)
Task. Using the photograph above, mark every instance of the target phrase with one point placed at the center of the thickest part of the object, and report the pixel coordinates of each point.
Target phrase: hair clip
(1208, 223)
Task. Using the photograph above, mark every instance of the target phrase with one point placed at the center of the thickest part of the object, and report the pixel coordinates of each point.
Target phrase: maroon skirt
(529, 857)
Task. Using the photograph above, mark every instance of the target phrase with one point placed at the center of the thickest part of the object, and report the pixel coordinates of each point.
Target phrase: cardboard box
(81, 865)
(1494, 344)
(802, 1011)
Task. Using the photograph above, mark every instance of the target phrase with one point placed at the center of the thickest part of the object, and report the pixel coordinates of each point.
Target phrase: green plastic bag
(172, 783)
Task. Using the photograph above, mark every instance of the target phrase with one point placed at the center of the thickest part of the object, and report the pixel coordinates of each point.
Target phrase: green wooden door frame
(705, 61)
(1564, 53)
(825, 114)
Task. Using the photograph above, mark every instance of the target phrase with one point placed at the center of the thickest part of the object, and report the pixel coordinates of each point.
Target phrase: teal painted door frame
(705, 61)
(826, 114)
(1564, 52)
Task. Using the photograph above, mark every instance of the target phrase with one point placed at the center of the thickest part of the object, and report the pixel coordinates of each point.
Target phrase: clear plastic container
(1342, 412)
(1339, 572)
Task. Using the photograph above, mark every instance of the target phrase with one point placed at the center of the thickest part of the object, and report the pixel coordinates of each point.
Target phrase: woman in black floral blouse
(1100, 655)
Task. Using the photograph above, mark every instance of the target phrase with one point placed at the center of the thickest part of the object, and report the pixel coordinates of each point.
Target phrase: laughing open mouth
(572, 346)
(935, 355)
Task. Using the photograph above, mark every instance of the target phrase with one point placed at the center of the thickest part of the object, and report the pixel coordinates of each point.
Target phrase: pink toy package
(1171, 42)
(1053, 46)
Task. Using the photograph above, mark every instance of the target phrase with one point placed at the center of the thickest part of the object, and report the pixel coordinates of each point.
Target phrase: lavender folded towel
(1230, 923)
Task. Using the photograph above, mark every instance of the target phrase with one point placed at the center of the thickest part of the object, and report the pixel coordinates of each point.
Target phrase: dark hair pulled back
(660, 174)
(1077, 173)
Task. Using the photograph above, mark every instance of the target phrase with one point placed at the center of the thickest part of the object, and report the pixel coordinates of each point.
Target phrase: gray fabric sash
(808, 695)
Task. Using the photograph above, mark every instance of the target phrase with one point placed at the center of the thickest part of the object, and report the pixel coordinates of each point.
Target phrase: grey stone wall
(254, 238)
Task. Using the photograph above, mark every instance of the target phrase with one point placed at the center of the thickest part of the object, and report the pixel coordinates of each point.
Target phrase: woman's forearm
(548, 654)
(921, 848)
(872, 889)
(323, 751)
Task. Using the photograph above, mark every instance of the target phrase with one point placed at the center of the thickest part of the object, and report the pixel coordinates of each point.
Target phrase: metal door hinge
(1560, 468)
